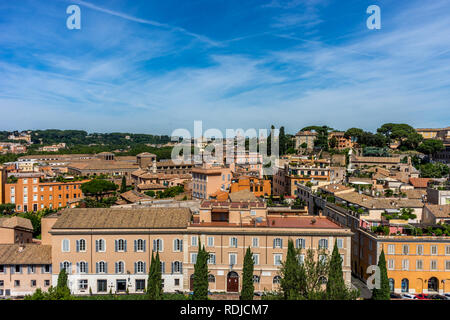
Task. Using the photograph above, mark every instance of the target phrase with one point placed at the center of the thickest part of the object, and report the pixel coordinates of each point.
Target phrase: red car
(422, 296)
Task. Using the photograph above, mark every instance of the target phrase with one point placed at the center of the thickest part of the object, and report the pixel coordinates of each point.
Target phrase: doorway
(232, 282)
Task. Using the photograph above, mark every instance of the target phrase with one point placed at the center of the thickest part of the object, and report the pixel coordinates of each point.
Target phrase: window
(16, 283)
(177, 245)
(81, 245)
(276, 280)
(233, 242)
(46, 283)
(419, 265)
(212, 258)
(101, 267)
(391, 249)
(31, 269)
(177, 282)
(256, 259)
(277, 258)
(277, 243)
(256, 279)
(390, 264)
(65, 245)
(177, 267)
(255, 242)
(100, 245)
(120, 267)
(232, 258)
(405, 249)
(433, 250)
(447, 265)
(139, 267)
(47, 268)
(433, 265)
(193, 258)
(323, 244)
(420, 249)
(82, 284)
(301, 258)
(139, 245)
(102, 286)
(2, 269)
(140, 285)
(210, 241)
(18, 269)
(322, 258)
(33, 283)
(300, 243)
(82, 267)
(121, 245)
(211, 278)
(447, 250)
(2, 283)
(158, 245)
(405, 264)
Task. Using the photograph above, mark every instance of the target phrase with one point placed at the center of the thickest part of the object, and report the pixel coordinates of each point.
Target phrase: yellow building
(415, 264)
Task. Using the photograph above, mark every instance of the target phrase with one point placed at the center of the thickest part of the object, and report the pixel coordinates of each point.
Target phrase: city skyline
(153, 67)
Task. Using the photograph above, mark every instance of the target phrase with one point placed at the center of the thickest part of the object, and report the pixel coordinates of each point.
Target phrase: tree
(7, 208)
(316, 270)
(154, 282)
(247, 277)
(336, 288)
(407, 136)
(98, 188)
(333, 142)
(431, 146)
(382, 293)
(201, 274)
(62, 289)
(123, 187)
(293, 277)
(433, 170)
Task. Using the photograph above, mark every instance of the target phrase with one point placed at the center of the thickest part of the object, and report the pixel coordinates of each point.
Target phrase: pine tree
(383, 293)
(292, 275)
(336, 288)
(247, 277)
(123, 187)
(201, 274)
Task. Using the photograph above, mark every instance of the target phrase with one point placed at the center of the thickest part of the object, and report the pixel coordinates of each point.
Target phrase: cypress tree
(201, 274)
(336, 288)
(62, 291)
(247, 277)
(123, 187)
(157, 278)
(292, 274)
(383, 293)
(151, 289)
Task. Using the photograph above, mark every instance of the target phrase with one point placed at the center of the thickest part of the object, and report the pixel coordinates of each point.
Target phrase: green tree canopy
(247, 277)
(98, 188)
(431, 146)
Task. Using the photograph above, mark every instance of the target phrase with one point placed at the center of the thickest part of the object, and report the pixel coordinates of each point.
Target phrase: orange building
(259, 187)
(30, 194)
(341, 141)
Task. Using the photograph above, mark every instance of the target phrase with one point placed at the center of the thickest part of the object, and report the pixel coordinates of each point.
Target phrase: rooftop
(16, 222)
(120, 218)
(419, 182)
(439, 211)
(25, 254)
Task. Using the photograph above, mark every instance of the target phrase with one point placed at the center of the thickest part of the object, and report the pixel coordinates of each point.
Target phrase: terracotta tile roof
(134, 196)
(302, 222)
(16, 222)
(243, 195)
(30, 254)
(419, 182)
(380, 203)
(335, 187)
(151, 186)
(121, 218)
(439, 211)
(102, 165)
(378, 159)
(415, 193)
(306, 133)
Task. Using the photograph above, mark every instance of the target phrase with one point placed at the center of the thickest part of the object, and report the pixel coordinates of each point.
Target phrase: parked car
(408, 296)
(439, 297)
(422, 296)
(447, 295)
(395, 295)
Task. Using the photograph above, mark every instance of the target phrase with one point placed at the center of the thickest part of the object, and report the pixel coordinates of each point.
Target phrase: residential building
(341, 141)
(206, 180)
(259, 187)
(15, 230)
(307, 137)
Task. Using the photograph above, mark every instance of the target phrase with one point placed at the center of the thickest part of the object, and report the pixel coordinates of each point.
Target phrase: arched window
(211, 278)
(158, 245)
(121, 245)
(66, 266)
(276, 280)
(405, 285)
(101, 267)
(177, 245)
(323, 244)
(120, 267)
(82, 267)
(391, 284)
(81, 245)
(256, 279)
(140, 267)
(277, 243)
(100, 245)
(177, 267)
(139, 245)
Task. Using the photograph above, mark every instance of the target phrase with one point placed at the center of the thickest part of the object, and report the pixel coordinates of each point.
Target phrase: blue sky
(153, 66)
